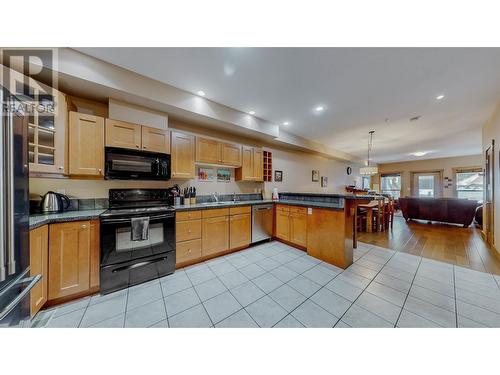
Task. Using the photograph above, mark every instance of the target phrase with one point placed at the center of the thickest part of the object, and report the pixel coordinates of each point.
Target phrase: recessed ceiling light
(286, 123)
(319, 108)
(420, 153)
(439, 97)
(251, 113)
(201, 93)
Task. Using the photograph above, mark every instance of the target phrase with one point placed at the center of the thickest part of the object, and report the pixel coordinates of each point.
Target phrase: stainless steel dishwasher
(262, 222)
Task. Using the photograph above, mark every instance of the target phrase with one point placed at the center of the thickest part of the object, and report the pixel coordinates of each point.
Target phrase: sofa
(446, 210)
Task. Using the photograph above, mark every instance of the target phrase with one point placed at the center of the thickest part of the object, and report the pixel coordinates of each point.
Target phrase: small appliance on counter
(54, 202)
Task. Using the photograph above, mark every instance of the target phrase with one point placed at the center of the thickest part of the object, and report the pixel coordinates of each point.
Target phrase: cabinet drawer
(298, 210)
(187, 230)
(282, 207)
(187, 215)
(240, 210)
(215, 212)
(188, 250)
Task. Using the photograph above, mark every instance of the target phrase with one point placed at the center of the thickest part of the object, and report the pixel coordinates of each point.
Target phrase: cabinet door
(86, 144)
(69, 258)
(240, 231)
(123, 134)
(282, 225)
(39, 264)
(231, 154)
(155, 140)
(258, 172)
(298, 229)
(245, 173)
(215, 235)
(208, 151)
(182, 154)
(95, 253)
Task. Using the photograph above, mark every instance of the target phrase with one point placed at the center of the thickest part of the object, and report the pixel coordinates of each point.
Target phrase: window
(469, 184)
(427, 184)
(391, 184)
(365, 182)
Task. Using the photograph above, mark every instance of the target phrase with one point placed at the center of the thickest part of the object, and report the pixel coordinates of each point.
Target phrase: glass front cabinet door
(47, 118)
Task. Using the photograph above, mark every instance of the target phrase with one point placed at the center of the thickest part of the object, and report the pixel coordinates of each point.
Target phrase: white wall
(442, 164)
(297, 173)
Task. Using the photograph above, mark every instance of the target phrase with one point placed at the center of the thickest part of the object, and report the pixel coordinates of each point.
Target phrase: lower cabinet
(298, 229)
(291, 224)
(282, 223)
(215, 235)
(240, 228)
(39, 253)
(73, 258)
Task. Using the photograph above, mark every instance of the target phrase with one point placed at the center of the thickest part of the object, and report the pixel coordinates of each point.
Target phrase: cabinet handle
(144, 146)
(189, 251)
(84, 226)
(61, 168)
(100, 170)
(137, 146)
(189, 230)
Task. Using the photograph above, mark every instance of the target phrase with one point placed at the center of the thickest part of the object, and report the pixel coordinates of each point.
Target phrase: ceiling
(360, 89)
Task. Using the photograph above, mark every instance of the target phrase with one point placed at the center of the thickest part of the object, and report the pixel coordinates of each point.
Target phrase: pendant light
(369, 170)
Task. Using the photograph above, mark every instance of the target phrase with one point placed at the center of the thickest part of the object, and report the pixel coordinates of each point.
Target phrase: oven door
(118, 247)
(127, 164)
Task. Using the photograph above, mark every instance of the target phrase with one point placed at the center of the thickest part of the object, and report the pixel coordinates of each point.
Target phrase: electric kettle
(54, 202)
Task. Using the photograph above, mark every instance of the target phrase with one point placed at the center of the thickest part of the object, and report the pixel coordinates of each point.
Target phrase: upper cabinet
(155, 140)
(207, 151)
(182, 153)
(137, 137)
(231, 154)
(47, 121)
(211, 151)
(251, 165)
(123, 134)
(86, 145)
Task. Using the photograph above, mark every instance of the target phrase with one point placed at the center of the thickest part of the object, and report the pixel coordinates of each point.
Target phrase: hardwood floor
(444, 242)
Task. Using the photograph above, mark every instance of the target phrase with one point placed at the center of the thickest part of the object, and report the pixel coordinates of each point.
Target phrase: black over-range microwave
(125, 164)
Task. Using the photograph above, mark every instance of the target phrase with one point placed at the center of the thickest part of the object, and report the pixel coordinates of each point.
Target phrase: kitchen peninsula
(321, 224)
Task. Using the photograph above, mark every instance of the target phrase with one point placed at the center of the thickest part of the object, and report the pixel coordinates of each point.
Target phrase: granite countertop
(329, 205)
(336, 195)
(210, 205)
(38, 220)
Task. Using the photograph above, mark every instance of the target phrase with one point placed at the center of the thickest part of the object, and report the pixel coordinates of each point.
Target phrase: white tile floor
(275, 285)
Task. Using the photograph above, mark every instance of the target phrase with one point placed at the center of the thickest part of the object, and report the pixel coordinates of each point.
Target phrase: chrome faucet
(216, 197)
(234, 197)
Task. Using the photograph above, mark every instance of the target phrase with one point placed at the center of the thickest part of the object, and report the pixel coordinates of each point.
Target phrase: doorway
(426, 184)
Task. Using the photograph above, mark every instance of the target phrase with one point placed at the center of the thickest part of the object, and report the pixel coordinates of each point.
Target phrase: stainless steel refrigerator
(15, 279)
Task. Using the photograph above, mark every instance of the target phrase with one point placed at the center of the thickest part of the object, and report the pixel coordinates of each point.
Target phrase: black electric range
(127, 258)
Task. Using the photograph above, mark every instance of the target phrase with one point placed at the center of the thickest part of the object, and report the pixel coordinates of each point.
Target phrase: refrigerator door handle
(9, 171)
(3, 224)
(32, 282)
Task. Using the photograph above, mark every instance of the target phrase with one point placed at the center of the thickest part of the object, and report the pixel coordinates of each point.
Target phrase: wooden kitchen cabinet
(187, 230)
(298, 228)
(47, 119)
(123, 134)
(211, 151)
(208, 151)
(282, 225)
(258, 165)
(183, 155)
(215, 235)
(188, 251)
(73, 254)
(251, 165)
(231, 154)
(86, 145)
(240, 231)
(39, 264)
(155, 140)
